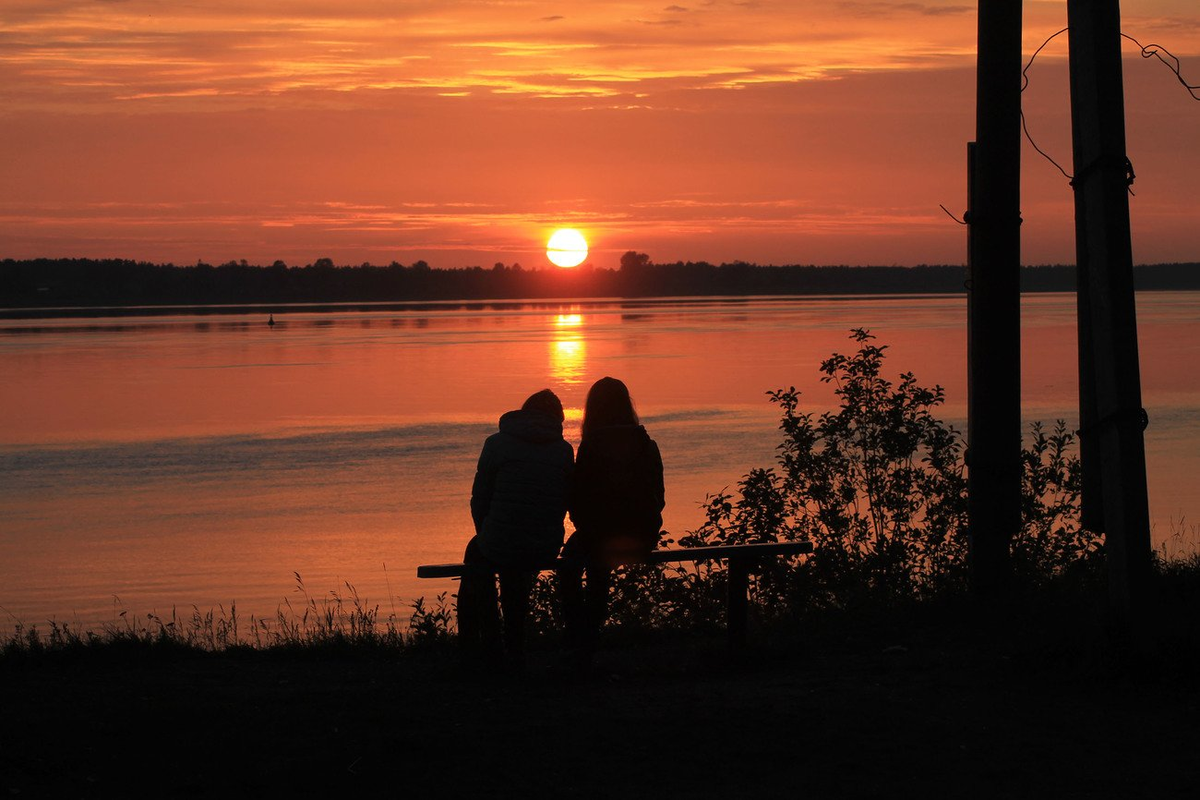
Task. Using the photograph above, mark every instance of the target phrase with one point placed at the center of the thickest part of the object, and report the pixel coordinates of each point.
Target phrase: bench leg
(739, 587)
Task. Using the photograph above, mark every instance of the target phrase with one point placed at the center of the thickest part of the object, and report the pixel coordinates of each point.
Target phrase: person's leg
(478, 621)
(515, 586)
(570, 592)
(599, 581)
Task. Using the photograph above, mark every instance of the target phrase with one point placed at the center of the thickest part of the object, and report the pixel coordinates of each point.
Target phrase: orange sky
(461, 133)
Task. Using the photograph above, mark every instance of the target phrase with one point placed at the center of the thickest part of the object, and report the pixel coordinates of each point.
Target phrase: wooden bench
(742, 559)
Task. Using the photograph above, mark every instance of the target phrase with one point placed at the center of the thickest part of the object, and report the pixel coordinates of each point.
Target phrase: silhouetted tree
(632, 261)
(95, 282)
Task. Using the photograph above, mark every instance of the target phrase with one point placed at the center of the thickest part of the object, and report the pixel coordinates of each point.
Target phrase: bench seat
(741, 557)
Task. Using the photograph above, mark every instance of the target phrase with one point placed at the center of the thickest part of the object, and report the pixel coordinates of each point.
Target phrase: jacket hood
(531, 426)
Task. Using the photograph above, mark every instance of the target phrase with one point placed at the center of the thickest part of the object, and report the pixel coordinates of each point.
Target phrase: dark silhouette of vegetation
(57, 283)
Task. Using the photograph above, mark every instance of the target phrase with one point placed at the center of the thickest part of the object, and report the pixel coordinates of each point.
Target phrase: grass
(336, 620)
(343, 620)
(932, 699)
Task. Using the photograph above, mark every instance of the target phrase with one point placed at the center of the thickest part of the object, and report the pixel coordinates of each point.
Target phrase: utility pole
(1111, 415)
(994, 300)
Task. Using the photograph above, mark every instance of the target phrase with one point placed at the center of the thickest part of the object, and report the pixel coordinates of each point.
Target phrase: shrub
(877, 485)
(1051, 540)
(430, 625)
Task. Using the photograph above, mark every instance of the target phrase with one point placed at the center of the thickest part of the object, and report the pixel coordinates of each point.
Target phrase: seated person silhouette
(616, 504)
(518, 502)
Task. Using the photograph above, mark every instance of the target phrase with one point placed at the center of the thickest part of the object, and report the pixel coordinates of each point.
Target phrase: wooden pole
(1091, 493)
(994, 301)
(738, 601)
(1112, 430)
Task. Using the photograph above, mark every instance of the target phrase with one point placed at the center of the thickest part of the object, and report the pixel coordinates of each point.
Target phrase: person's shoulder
(652, 449)
(500, 445)
(647, 441)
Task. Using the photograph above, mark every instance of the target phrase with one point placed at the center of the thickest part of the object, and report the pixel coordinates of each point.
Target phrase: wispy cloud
(57, 53)
(70, 53)
(890, 10)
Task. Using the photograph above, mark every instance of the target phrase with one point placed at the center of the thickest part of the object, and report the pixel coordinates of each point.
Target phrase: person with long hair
(616, 502)
(518, 503)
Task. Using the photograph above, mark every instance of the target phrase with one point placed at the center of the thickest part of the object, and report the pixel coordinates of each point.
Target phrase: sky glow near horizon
(462, 133)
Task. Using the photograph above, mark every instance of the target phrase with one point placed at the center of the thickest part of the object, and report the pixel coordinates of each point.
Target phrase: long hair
(546, 402)
(608, 403)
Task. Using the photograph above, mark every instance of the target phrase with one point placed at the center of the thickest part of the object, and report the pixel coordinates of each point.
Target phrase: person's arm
(660, 488)
(484, 485)
(579, 501)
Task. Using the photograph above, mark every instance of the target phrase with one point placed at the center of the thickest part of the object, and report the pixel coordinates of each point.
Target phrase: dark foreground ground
(932, 708)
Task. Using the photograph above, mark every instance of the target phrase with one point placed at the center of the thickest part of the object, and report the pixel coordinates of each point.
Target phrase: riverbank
(934, 703)
(90, 287)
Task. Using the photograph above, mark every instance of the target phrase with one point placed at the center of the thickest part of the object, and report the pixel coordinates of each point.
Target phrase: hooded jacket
(617, 493)
(519, 496)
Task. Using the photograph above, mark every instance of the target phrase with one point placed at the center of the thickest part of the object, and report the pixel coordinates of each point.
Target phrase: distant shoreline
(48, 288)
(467, 304)
(260, 309)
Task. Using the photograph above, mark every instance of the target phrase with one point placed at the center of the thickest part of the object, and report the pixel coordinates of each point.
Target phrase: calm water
(151, 462)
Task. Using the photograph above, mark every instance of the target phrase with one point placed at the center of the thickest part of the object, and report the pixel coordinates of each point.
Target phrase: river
(152, 462)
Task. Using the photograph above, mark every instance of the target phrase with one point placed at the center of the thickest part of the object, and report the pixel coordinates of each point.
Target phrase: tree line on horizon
(47, 282)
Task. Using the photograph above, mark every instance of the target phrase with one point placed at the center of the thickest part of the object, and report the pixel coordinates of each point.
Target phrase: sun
(566, 248)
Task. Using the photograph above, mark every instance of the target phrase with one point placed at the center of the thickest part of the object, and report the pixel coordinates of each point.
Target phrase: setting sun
(566, 248)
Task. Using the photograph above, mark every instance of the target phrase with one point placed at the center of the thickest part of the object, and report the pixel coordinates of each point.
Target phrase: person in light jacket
(616, 503)
(518, 502)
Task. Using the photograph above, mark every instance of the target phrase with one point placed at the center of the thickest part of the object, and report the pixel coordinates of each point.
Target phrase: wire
(1042, 152)
(1155, 51)
(1024, 72)
(1024, 86)
(950, 215)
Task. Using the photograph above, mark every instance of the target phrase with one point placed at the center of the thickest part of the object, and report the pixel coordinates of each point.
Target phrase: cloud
(68, 54)
(887, 10)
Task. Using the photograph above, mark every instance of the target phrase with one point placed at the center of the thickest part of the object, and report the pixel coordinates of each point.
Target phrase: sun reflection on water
(567, 349)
